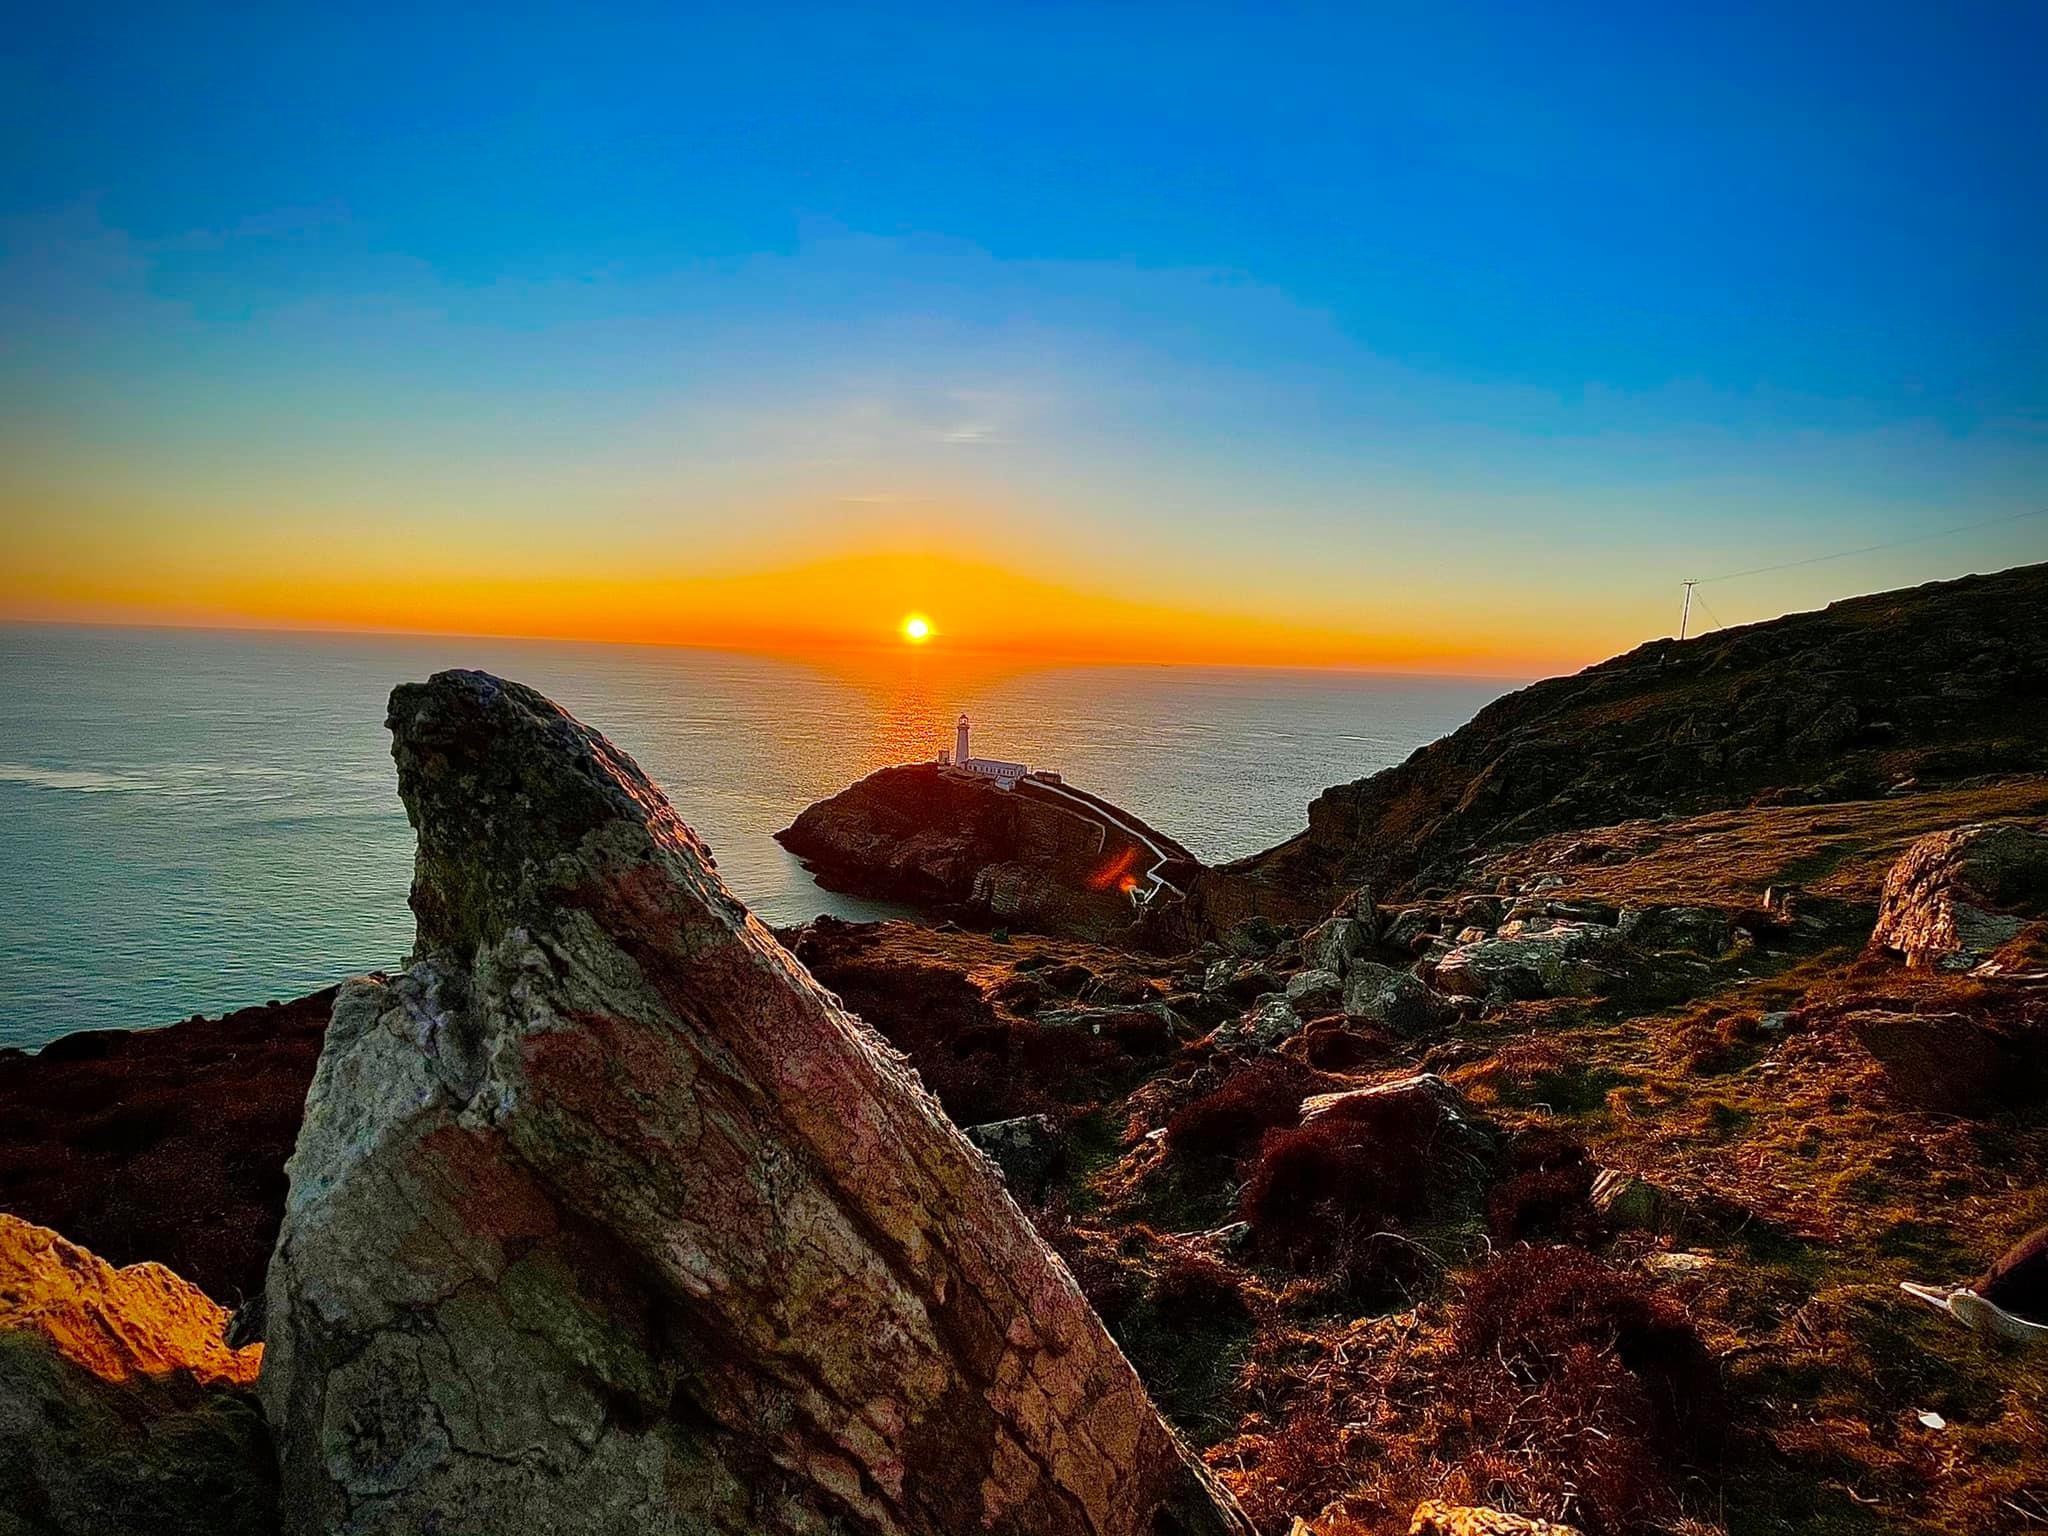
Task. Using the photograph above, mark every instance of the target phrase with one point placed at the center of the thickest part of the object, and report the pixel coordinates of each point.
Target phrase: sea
(199, 820)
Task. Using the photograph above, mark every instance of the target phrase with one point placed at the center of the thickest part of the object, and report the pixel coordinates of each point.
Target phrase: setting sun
(917, 629)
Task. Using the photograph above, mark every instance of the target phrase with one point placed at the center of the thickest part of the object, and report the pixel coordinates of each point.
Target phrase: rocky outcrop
(164, 1144)
(1931, 684)
(1395, 1000)
(605, 1216)
(121, 1408)
(1310, 992)
(1040, 857)
(1956, 898)
(1564, 959)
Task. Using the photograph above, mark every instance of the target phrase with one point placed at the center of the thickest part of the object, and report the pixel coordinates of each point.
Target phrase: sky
(1441, 338)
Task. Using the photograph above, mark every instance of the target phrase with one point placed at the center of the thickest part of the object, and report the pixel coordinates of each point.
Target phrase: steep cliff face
(1931, 684)
(605, 1216)
(1032, 857)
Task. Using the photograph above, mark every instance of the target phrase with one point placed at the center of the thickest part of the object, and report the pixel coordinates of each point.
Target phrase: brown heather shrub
(1598, 1382)
(1544, 1202)
(1546, 1146)
(1301, 1467)
(1549, 1194)
(1231, 1117)
(978, 1086)
(1373, 1270)
(1362, 1167)
(1090, 1260)
(1199, 1288)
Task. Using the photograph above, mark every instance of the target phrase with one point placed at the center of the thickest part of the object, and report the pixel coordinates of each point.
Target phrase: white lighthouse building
(962, 759)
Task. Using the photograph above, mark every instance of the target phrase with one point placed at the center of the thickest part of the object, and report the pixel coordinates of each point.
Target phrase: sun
(917, 629)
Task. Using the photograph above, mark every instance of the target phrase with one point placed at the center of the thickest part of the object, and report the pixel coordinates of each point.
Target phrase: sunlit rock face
(1954, 899)
(605, 1216)
(121, 1406)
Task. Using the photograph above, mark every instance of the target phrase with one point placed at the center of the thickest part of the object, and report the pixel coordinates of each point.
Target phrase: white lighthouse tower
(962, 759)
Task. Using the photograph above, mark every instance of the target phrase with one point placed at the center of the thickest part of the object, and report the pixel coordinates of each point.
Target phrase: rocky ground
(1568, 1171)
(1667, 1133)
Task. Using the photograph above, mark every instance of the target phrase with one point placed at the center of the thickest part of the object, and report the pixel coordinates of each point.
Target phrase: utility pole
(1686, 614)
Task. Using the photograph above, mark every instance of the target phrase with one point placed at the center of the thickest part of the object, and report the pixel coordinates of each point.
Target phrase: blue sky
(1379, 317)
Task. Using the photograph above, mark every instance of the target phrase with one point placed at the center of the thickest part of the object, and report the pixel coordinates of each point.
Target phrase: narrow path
(1155, 882)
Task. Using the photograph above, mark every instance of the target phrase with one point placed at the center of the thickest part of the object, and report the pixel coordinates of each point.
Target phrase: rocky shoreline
(1547, 1128)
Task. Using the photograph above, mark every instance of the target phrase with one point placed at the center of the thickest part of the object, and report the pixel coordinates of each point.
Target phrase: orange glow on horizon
(835, 602)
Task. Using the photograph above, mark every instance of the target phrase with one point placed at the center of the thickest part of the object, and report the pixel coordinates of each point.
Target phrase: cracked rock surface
(605, 1216)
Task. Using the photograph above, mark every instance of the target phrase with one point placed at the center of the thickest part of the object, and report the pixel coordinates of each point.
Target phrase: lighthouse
(962, 759)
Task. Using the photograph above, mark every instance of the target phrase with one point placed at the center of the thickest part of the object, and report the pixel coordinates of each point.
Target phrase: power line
(1869, 549)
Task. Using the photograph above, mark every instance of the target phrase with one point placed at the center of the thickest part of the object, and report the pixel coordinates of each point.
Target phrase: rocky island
(1538, 1142)
(1032, 852)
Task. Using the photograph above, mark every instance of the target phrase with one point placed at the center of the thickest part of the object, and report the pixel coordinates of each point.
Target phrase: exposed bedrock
(121, 1407)
(605, 1216)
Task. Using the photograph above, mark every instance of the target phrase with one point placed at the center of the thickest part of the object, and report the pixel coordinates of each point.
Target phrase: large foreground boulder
(605, 1216)
(1954, 898)
(121, 1408)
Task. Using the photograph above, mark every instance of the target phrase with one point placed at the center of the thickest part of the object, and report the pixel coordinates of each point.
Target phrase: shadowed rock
(121, 1407)
(605, 1216)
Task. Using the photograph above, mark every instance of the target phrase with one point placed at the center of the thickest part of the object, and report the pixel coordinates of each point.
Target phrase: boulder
(1256, 935)
(1263, 1027)
(1479, 911)
(1395, 1000)
(1437, 1517)
(1944, 1062)
(1562, 960)
(1239, 982)
(1332, 945)
(605, 1216)
(122, 1408)
(1151, 1027)
(1315, 991)
(1027, 1149)
(1409, 929)
(1361, 907)
(1125, 987)
(1954, 898)
(1706, 931)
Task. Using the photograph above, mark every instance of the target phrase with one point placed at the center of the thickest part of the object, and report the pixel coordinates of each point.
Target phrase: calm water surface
(192, 820)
